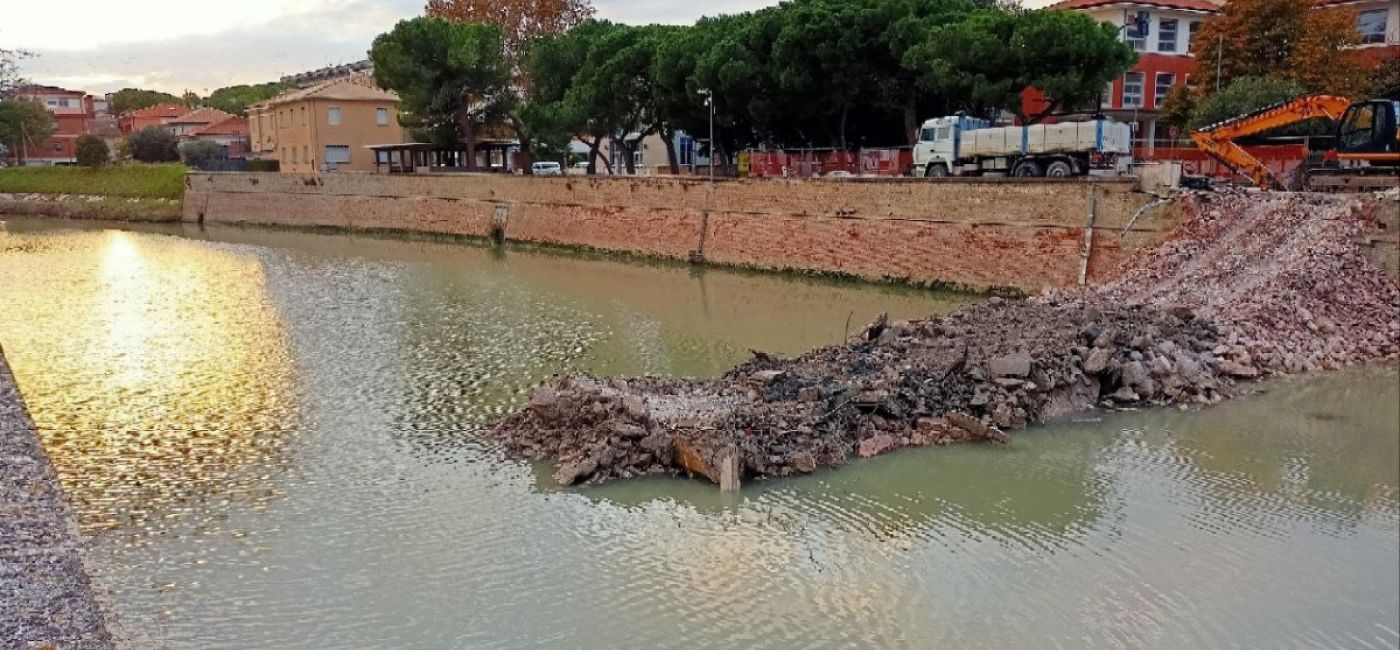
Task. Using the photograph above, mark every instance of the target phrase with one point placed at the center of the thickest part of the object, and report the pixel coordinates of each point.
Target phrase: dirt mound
(1249, 285)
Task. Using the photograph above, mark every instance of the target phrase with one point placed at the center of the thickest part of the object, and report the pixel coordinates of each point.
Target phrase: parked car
(546, 169)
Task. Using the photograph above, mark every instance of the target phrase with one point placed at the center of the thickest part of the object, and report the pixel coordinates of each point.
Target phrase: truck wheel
(936, 170)
(1026, 169)
(1059, 169)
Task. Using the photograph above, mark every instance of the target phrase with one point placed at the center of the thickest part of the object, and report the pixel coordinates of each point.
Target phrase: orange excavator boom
(1218, 139)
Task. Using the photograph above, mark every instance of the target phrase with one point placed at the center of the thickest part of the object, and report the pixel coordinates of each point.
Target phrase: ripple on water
(271, 437)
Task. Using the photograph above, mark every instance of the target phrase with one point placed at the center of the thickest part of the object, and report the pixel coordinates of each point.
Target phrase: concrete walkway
(46, 597)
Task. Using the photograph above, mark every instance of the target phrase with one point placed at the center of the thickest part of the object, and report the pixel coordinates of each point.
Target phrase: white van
(546, 169)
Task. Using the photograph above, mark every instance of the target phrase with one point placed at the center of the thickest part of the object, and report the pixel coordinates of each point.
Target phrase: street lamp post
(710, 102)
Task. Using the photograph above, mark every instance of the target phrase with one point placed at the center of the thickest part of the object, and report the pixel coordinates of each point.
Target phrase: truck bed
(1066, 137)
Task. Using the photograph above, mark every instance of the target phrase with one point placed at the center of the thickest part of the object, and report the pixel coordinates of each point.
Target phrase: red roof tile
(158, 110)
(1192, 5)
(202, 116)
(230, 126)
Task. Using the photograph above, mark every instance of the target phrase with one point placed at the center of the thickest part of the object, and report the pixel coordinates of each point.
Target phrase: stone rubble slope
(1250, 285)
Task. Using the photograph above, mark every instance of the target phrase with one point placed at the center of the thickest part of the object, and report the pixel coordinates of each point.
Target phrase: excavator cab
(1367, 134)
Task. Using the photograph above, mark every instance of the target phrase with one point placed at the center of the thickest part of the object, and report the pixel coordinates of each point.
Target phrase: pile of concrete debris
(1251, 285)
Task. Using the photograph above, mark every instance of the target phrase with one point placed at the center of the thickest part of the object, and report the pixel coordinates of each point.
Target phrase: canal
(270, 439)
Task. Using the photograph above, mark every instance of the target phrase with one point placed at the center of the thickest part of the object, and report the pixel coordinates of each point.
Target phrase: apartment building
(325, 127)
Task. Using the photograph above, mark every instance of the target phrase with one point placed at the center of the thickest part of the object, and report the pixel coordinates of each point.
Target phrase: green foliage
(92, 151)
(23, 120)
(130, 99)
(198, 152)
(139, 181)
(1243, 95)
(452, 78)
(237, 99)
(992, 56)
(153, 144)
(840, 73)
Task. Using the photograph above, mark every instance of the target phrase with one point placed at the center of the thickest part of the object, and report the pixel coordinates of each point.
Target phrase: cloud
(286, 38)
(337, 31)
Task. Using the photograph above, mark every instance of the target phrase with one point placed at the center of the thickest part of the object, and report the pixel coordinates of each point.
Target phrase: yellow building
(325, 127)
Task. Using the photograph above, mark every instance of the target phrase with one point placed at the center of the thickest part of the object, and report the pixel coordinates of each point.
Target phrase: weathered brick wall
(976, 233)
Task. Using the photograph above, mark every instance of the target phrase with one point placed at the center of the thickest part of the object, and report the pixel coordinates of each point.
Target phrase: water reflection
(153, 378)
(384, 522)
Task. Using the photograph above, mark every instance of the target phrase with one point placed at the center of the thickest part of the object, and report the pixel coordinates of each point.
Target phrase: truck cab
(936, 154)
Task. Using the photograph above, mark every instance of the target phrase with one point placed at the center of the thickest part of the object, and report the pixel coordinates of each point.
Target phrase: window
(381, 116)
(1357, 126)
(294, 155)
(57, 147)
(1135, 33)
(337, 154)
(1191, 33)
(52, 103)
(333, 116)
(1372, 25)
(306, 152)
(1132, 89)
(685, 153)
(1166, 35)
(926, 135)
(1165, 81)
(942, 133)
(303, 116)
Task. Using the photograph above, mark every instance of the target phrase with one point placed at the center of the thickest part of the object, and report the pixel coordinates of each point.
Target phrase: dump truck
(958, 145)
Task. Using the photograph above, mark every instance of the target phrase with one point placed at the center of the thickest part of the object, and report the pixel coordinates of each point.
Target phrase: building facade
(154, 115)
(195, 121)
(231, 134)
(326, 127)
(1162, 33)
(74, 115)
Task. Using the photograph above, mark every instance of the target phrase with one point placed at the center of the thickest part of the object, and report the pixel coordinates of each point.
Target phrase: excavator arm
(1218, 139)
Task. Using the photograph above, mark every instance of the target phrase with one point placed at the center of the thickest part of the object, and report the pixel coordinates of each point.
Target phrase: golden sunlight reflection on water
(183, 353)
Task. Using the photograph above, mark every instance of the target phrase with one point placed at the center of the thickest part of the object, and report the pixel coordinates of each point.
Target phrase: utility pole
(710, 102)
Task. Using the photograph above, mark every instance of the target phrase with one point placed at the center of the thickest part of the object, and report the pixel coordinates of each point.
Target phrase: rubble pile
(1250, 285)
(1282, 278)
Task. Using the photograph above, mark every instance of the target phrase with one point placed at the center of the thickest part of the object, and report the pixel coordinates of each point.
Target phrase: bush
(154, 144)
(198, 152)
(92, 151)
(263, 165)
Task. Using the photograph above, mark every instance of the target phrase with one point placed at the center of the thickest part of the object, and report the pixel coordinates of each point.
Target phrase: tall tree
(23, 122)
(520, 20)
(989, 58)
(130, 99)
(9, 69)
(1288, 38)
(554, 108)
(237, 99)
(452, 78)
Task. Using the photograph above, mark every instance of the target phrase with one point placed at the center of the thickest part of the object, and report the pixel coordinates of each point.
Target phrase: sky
(105, 45)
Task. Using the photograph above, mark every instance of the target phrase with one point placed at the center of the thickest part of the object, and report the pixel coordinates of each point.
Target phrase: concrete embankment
(1249, 286)
(46, 595)
(964, 233)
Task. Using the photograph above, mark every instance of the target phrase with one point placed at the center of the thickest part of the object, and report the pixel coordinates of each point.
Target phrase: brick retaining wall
(973, 233)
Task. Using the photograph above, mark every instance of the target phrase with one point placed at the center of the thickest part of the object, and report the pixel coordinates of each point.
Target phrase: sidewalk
(46, 597)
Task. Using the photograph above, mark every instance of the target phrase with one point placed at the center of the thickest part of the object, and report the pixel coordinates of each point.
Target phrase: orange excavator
(1367, 154)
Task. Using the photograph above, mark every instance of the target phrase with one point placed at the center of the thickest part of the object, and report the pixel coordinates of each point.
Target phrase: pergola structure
(414, 157)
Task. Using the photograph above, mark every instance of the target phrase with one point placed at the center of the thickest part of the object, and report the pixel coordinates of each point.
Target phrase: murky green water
(269, 437)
